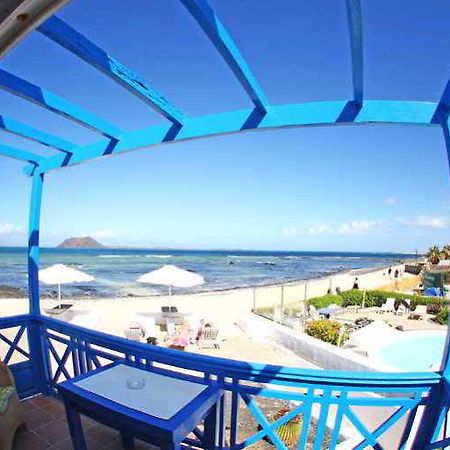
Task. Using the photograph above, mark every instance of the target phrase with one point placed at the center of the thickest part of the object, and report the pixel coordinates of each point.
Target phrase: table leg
(75, 427)
(127, 441)
(210, 428)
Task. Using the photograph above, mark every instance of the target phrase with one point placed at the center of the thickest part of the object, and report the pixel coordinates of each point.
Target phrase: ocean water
(116, 270)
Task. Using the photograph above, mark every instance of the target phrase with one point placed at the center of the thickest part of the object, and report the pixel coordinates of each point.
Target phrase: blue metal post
(33, 243)
(35, 339)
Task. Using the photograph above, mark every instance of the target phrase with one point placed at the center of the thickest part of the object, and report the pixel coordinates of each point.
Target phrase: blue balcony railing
(327, 401)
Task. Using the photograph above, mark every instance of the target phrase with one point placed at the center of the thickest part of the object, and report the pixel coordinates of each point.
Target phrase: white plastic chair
(208, 338)
(420, 312)
(313, 314)
(148, 323)
(388, 306)
(402, 310)
(134, 334)
(171, 328)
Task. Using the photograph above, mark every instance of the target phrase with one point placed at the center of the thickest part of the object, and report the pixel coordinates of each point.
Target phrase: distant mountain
(80, 242)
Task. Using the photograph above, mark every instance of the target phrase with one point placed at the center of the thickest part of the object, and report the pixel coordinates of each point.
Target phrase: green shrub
(353, 297)
(325, 300)
(442, 316)
(328, 331)
(377, 298)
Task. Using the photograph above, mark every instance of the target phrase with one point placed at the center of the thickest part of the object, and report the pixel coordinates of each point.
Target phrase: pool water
(416, 351)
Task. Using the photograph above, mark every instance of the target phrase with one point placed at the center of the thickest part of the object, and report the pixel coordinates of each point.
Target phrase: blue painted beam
(356, 45)
(64, 35)
(25, 131)
(20, 155)
(202, 12)
(33, 242)
(284, 116)
(56, 104)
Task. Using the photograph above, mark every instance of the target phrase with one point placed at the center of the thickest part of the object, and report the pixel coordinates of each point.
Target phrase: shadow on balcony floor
(47, 429)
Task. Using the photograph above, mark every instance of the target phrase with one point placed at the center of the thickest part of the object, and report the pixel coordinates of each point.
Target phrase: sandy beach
(221, 308)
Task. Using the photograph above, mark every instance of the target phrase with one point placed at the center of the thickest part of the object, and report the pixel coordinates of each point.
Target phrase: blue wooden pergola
(422, 398)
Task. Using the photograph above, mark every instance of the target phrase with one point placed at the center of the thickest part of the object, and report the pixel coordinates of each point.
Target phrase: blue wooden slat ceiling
(355, 110)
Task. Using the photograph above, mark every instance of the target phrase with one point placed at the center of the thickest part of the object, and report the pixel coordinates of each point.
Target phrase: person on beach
(200, 329)
(396, 273)
(356, 284)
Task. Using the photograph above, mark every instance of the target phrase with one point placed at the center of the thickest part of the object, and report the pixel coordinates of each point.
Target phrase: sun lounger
(59, 309)
(208, 338)
(419, 313)
(135, 332)
(388, 306)
(169, 309)
(171, 327)
(170, 312)
(372, 336)
(11, 418)
(148, 324)
(402, 310)
(313, 313)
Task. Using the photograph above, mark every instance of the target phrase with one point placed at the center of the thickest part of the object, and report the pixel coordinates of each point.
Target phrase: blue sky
(344, 188)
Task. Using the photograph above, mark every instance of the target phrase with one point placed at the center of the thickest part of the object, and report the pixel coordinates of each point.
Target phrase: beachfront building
(164, 396)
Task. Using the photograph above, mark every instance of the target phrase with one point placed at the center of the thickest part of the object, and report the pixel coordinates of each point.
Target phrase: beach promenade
(221, 308)
(230, 302)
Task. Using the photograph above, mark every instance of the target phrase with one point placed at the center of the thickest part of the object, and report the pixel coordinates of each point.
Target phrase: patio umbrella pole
(59, 293)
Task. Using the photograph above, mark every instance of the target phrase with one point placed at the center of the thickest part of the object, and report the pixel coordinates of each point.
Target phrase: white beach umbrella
(61, 274)
(170, 275)
(374, 335)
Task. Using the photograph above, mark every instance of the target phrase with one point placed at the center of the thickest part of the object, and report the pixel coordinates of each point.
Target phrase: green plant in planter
(289, 432)
(326, 330)
(442, 316)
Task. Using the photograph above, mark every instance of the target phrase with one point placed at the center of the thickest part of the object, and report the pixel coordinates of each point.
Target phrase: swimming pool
(412, 351)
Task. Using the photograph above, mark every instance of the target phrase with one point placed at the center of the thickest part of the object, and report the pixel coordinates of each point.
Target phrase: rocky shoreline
(12, 292)
(7, 291)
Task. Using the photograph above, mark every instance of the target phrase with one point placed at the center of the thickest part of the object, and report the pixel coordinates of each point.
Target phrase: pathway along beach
(221, 307)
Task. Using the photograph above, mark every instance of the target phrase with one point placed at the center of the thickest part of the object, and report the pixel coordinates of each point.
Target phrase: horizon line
(217, 249)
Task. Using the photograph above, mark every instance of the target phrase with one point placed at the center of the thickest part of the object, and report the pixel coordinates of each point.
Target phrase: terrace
(42, 352)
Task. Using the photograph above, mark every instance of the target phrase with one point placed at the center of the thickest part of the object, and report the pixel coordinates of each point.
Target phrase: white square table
(163, 412)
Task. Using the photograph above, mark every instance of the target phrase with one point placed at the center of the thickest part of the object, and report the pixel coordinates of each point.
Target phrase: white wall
(320, 353)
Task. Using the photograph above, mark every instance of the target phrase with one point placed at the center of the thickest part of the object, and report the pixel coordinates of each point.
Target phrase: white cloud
(358, 227)
(290, 231)
(8, 229)
(391, 201)
(423, 221)
(351, 228)
(320, 228)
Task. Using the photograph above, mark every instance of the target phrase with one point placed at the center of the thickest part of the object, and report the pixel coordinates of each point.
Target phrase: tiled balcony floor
(47, 429)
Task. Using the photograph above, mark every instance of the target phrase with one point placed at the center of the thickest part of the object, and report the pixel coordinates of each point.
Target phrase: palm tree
(445, 252)
(434, 254)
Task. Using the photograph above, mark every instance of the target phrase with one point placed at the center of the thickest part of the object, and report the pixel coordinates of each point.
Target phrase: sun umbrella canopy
(61, 274)
(170, 275)
(374, 335)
